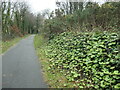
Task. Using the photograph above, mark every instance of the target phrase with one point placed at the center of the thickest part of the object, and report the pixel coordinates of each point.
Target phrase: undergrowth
(80, 60)
(90, 60)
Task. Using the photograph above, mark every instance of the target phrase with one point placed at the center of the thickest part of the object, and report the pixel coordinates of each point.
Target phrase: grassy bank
(80, 60)
(5, 45)
(54, 79)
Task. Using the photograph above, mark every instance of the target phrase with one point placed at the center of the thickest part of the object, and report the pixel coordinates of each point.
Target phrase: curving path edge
(21, 68)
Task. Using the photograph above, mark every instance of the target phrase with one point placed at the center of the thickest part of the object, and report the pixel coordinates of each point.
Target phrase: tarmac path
(20, 66)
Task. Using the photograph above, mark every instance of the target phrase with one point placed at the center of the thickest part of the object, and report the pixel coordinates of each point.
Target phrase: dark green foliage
(91, 60)
(17, 20)
(105, 17)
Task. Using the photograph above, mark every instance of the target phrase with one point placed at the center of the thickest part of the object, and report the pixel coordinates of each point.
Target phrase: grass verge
(5, 45)
(55, 79)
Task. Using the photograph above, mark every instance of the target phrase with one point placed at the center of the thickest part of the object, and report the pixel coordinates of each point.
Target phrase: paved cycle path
(20, 66)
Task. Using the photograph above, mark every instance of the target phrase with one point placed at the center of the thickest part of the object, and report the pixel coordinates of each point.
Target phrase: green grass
(5, 45)
(54, 79)
(0, 47)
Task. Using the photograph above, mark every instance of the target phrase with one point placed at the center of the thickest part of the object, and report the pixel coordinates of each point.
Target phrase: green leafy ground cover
(54, 78)
(86, 60)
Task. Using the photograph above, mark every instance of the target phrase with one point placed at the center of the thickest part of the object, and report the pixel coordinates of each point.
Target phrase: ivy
(91, 59)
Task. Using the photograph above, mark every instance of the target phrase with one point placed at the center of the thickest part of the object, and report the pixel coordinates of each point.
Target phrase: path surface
(21, 68)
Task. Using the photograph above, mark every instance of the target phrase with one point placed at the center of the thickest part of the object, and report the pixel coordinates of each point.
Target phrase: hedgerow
(90, 60)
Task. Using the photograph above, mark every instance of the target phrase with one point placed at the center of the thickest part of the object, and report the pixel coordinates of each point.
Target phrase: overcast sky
(39, 5)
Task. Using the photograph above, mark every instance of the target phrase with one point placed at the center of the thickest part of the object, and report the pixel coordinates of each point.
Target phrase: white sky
(39, 5)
